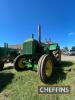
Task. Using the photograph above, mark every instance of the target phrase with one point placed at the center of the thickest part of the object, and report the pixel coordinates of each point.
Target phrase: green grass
(24, 85)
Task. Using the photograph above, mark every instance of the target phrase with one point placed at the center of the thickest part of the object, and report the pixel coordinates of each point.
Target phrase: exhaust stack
(39, 34)
(5, 45)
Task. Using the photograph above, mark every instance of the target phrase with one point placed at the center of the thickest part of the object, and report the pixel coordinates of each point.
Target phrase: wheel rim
(48, 68)
(21, 63)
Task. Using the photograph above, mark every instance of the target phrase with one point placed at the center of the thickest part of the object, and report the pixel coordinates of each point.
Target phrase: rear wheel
(45, 68)
(39, 63)
(19, 63)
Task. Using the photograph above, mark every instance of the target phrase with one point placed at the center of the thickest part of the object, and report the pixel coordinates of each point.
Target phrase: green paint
(29, 40)
(53, 47)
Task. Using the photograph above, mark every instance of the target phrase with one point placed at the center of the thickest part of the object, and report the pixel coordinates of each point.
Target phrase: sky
(20, 18)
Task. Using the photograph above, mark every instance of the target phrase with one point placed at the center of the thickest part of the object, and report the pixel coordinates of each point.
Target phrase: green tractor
(39, 56)
(7, 55)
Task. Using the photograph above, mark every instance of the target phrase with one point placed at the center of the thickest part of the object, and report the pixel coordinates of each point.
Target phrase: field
(24, 85)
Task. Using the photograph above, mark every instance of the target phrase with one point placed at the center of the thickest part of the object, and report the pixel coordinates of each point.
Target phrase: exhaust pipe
(39, 34)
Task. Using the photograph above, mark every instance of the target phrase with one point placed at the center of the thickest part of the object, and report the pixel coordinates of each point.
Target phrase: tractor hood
(29, 40)
(30, 46)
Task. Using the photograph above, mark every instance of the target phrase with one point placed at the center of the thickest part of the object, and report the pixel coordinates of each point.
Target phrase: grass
(24, 85)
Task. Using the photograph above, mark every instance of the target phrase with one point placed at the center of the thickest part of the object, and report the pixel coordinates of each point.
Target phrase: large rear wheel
(45, 68)
(19, 63)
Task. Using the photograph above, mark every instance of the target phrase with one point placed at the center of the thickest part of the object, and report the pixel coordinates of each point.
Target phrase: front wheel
(19, 63)
(45, 68)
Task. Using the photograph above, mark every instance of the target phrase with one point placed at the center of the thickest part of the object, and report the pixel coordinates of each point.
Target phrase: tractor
(39, 56)
(7, 55)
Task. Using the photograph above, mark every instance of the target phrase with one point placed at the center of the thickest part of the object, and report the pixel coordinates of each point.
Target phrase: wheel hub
(22, 63)
(48, 68)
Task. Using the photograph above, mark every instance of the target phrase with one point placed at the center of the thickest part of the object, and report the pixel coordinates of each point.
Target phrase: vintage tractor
(7, 55)
(37, 55)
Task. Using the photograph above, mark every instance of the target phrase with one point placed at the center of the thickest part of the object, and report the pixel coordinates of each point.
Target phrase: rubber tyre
(39, 63)
(16, 61)
(44, 78)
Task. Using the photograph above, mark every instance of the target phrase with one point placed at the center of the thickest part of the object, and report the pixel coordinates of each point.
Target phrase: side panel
(53, 47)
